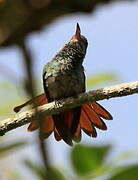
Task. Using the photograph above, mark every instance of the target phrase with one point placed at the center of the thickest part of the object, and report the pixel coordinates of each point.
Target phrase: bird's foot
(57, 104)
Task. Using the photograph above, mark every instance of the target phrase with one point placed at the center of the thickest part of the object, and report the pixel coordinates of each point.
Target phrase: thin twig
(30, 90)
(23, 118)
(29, 71)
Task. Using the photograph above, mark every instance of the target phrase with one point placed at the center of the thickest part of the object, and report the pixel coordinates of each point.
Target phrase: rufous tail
(68, 125)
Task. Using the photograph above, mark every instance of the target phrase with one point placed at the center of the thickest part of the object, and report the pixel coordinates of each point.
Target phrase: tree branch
(23, 118)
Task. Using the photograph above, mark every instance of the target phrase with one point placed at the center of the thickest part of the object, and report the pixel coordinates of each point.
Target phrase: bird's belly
(65, 85)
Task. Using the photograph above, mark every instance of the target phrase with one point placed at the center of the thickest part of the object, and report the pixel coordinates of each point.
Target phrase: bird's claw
(57, 104)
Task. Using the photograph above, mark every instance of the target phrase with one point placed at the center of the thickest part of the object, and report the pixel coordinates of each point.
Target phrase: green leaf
(99, 79)
(9, 97)
(55, 174)
(39, 171)
(128, 173)
(7, 148)
(87, 159)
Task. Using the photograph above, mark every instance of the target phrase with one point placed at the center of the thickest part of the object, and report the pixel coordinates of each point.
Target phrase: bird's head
(78, 40)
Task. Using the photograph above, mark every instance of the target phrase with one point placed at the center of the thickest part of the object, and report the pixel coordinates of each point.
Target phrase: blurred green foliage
(6, 148)
(99, 79)
(128, 173)
(90, 163)
(39, 171)
(9, 97)
(88, 159)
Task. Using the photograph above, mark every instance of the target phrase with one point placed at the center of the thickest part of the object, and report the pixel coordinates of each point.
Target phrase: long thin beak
(77, 35)
(78, 31)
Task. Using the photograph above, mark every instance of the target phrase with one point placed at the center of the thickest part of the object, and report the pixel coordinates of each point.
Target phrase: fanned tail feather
(101, 111)
(94, 118)
(46, 127)
(68, 124)
(39, 100)
(47, 124)
(33, 126)
(86, 125)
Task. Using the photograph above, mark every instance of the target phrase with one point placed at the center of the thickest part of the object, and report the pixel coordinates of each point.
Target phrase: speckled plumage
(64, 75)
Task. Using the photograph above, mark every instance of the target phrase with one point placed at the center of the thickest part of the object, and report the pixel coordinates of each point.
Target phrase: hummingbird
(64, 77)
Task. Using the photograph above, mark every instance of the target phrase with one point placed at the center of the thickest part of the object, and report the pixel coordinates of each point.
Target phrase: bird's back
(64, 75)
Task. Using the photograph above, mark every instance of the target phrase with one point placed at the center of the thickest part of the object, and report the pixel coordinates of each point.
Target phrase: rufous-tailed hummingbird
(64, 77)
